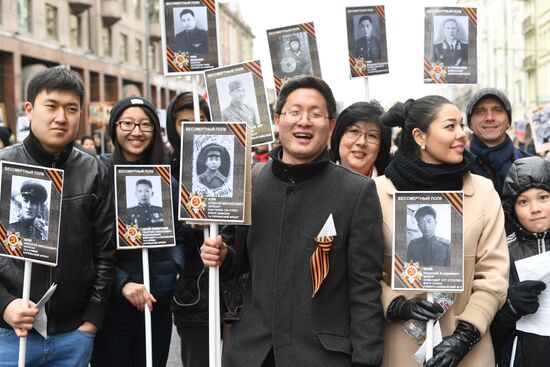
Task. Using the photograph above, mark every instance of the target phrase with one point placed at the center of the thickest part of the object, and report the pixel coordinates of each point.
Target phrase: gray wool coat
(341, 325)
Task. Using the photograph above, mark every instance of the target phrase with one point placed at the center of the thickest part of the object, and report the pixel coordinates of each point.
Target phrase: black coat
(341, 325)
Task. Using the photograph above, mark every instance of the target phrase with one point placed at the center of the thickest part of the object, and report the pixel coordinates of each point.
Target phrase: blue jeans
(71, 349)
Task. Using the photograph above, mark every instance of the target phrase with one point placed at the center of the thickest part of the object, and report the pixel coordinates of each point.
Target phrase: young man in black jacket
(84, 272)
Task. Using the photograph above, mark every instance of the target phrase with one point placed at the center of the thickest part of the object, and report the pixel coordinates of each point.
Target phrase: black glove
(454, 347)
(415, 308)
(523, 297)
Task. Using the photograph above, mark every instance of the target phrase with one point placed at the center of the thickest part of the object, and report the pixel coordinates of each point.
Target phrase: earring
(423, 147)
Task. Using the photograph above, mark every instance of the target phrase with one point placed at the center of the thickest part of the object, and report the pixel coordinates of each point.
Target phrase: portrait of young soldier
(367, 46)
(428, 250)
(238, 110)
(192, 39)
(30, 223)
(145, 214)
(451, 51)
(212, 178)
(296, 60)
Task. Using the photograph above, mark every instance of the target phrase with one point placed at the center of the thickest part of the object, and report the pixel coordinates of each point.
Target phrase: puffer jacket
(85, 269)
(531, 349)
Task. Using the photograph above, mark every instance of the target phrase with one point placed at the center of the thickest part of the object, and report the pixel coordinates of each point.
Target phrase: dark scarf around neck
(408, 174)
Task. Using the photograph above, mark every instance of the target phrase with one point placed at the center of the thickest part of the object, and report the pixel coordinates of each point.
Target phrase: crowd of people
(309, 281)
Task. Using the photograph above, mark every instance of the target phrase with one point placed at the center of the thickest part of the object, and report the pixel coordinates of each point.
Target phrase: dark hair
(187, 11)
(86, 137)
(185, 101)
(307, 82)
(362, 111)
(365, 17)
(423, 211)
(411, 115)
(144, 181)
(57, 78)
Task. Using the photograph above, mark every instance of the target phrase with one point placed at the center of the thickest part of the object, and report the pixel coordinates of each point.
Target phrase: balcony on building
(528, 25)
(154, 30)
(111, 12)
(529, 63)
(78, 6)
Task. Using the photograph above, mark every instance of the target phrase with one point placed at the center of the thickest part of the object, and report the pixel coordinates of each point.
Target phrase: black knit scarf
(408, 174)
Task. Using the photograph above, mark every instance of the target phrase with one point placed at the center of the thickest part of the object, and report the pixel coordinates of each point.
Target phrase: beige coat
(485, 273)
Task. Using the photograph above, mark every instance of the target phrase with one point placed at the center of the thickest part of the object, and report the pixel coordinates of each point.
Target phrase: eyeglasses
(371, 136)
(127, 125)
(295, 116)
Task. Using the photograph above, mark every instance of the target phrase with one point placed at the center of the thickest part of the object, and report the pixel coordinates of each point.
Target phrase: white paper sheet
(536, 268)
(41, 320)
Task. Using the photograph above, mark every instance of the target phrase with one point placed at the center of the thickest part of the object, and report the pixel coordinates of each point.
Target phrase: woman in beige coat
(432, 157)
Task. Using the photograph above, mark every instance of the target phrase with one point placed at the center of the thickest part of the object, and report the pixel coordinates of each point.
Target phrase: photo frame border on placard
(413, 271)
(179, 61)
(122, 228)
(56, 176)
(434, 73)
(357, 66)
(309, 29)
(254, 67)
(194, 204)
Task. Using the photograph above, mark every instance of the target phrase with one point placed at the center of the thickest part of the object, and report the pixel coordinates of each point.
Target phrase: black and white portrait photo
(213, 166)
(367, 43)
(238, 96)
(294, 55)
(29, 207)
(191, 30)
(429, 238)
(144, 201)
(450, 40)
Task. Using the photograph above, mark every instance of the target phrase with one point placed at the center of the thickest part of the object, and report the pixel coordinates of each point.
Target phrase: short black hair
(144, 181)
(365, 17)
(187, 11)
(423, 211)
(56, 78)
(86, 137)
(307, 82)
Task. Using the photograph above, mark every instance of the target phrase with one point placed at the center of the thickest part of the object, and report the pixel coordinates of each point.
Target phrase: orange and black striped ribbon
(319, 262)
(210, 5)
(254, 67)
(380, 10)
(428, 68)
(164, 173)
(239, 130)
(472, 14)
(170, 56)
(355, 72)
(184, 199)
(4, 247)
(57, 178)
(455, 199)
(399, 268)
(127, 241)
(309, 28)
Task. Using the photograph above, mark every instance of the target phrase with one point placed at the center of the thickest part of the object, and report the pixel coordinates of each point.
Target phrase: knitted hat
(128, 102)
(488, 93)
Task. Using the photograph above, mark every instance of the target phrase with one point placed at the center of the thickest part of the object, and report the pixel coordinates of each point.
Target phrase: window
(107, 41)
(123, 47)
(152, 56)
(51, 20)
(24, 15)
(138, 52)
(75, 23)
(137, 8)
(154, 12)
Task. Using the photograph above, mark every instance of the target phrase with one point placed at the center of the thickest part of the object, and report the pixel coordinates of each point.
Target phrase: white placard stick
(25, 302)
(430, 332)
(148, 335)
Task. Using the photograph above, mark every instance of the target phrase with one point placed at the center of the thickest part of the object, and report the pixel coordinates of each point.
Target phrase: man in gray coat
(314, 250)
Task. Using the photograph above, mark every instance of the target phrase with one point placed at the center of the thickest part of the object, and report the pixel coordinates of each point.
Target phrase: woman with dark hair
(359, 142)
(135, 132)
(432, 157)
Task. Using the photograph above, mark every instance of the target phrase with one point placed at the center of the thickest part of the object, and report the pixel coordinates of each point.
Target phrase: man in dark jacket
(85, 259)
(489, 115)
(314, 249)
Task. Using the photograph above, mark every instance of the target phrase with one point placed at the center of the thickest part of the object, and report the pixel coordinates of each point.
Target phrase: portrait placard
(428, 243)
(189, 36)
(215, 164)
(30, 212)
(293, 52)
(540, 128)
(237, 94)
(367, 45)
(144, 211)
(450, 45)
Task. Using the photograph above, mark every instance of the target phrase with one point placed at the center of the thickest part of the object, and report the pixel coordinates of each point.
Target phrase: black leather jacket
(85, 269)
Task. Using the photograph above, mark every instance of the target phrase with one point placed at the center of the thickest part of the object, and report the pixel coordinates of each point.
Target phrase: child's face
(533, 210)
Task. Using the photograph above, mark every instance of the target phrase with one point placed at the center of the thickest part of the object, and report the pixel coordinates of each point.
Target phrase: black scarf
(498, 159)
(408, 174)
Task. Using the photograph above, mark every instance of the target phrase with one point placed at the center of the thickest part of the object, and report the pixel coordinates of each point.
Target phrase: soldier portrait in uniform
(450, 46)
(429, 249)
(212, 178)
(189, 36)
(147, 192)
(28, 207)
(242, 105)
(367, 45)
(295, 58)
